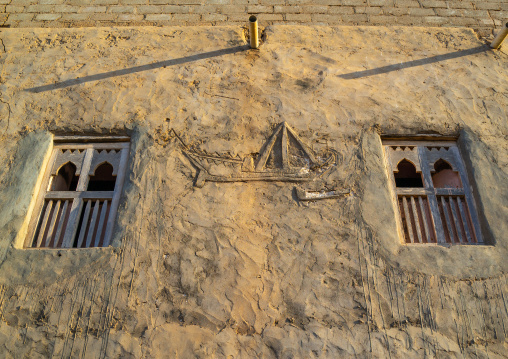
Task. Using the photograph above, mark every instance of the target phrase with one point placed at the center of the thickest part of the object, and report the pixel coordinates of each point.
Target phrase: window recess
(80, 194)
(433, 197)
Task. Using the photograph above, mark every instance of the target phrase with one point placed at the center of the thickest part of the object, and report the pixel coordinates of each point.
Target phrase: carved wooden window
(80, 193)
(433, 196)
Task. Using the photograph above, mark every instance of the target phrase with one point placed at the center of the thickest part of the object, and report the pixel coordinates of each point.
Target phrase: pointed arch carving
(103, 156)
(64, 156)
(400, 153)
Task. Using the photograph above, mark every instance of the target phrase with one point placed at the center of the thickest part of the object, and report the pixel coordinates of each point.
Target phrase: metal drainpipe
(498, 40)
(254, 39)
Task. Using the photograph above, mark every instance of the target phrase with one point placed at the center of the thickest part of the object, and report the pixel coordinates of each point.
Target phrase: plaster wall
(245, 269)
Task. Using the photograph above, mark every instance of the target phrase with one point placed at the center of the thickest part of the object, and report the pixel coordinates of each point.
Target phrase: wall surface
(242, 270)
(480, 15)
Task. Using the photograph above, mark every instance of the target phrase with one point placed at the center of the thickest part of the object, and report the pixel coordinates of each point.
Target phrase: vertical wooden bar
(51, 229)
(92, 224)
(44, 223)
(52, 223)
(72, 223)
(424, 220)
(417, 220)
(38, 204)
(85, 170)
(448, 222)
(408, 219)
(116, 198)
(468, 194)
(431, 197)
(456, 220)
(104, 211)
(61, 223)
(465, 222)
(84, 224)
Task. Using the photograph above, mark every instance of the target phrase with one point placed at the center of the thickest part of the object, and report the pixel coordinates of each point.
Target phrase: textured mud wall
(245, 269)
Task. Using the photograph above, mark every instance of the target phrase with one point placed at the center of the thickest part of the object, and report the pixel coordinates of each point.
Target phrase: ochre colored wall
(245, 269)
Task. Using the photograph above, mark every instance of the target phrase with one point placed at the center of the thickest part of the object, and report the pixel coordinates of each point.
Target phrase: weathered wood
(84, 224)
(448, 222)
(94, 139)
(103, 214)
(51, 228)
(61, 223)
(37, 206)
(84, 195)
(465, 222)
(469, 196)
(456, 220)
(42, 228)
(449, 191)
(83, 180)
(118, 191)
(417, 219)
(426, 224)
(408, 219)
(92, 224)
(70, 230)
(431, 198)
(412, 191)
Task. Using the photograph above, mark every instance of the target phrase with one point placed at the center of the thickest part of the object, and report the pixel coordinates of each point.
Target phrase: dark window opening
(407, 175)
(445, 176)
(103, 180)
(65, 180)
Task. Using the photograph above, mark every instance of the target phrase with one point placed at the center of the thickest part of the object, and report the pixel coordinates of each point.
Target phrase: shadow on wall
(131, 70)
(414, 63)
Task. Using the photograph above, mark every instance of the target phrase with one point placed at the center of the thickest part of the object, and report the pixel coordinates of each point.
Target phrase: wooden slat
(412, 191)
(92, 224)
(51, 228)
(448, 222)
(85, 195)
(449, 191)
(104, 211)
(456, 220)
(86, 139)
(417, 219)
(61, 223)
(44, 223)
(72, 223)
(87, 162)
(426, 225)
(83, 224)
(408, 219)
(394, 140)
(465, 222)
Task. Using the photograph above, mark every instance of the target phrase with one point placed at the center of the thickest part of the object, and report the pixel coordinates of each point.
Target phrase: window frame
(77, 198)
(424, 167)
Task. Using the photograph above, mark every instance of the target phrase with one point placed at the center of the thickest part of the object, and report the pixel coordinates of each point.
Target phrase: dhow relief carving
(283, 158)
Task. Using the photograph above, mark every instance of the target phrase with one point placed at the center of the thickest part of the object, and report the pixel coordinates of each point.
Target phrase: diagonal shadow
(414, 63)
(131, 70)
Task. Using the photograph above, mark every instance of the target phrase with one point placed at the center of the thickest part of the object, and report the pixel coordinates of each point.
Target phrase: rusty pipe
(501, 35)
(254, 38)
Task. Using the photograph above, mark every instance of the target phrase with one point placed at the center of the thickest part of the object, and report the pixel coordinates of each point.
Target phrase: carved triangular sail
(285, 137)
